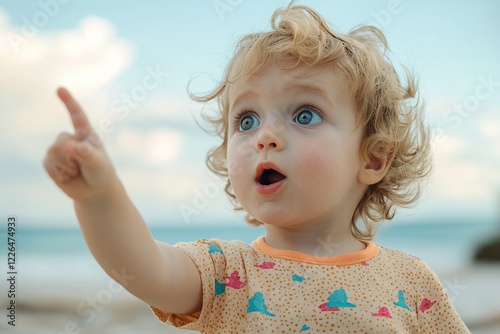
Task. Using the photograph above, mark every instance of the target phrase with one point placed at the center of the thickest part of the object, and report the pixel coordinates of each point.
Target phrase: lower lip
(269, 189)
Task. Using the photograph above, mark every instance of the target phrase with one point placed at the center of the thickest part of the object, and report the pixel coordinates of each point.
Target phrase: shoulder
(415, 268)
(399, 256)
(434, 307)
(217, 249)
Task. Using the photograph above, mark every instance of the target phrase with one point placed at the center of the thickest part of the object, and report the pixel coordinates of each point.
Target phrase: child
(318, 134)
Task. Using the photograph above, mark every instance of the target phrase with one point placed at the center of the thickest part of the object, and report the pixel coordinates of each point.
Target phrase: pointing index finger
(80, 121)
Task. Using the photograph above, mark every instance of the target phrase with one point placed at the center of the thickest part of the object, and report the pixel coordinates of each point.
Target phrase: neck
(321, 241)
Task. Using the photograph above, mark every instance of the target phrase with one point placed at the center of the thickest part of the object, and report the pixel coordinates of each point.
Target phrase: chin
(279, 219)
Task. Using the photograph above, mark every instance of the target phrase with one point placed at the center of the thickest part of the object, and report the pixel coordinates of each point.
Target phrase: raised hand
(77, 162)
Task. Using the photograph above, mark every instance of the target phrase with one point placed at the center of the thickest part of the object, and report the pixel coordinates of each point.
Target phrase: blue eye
(308, 117)
(249, 122)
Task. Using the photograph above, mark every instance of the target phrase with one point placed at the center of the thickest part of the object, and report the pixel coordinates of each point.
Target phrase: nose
(269, 138)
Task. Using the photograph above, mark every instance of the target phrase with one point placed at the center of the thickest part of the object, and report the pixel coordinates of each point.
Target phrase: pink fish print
(426, 304)
(324, 308)
(265, 265)
(383, 312)
(234, 281)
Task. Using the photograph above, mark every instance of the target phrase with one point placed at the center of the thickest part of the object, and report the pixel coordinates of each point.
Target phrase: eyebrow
(294, 89)
(308, 89)
(242, 97)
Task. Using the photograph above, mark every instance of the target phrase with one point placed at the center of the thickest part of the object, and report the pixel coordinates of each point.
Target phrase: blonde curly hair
(387, 110)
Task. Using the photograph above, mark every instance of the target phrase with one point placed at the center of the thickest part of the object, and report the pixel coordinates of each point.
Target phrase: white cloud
(86, 59)
(160, 146)
(466, 179)
(489, 128)
(466, 173)
(148, 145)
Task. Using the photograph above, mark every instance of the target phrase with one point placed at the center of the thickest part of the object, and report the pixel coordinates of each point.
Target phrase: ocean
(59, 254)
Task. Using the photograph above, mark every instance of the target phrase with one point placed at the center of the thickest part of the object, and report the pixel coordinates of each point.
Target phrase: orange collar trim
(366, 254)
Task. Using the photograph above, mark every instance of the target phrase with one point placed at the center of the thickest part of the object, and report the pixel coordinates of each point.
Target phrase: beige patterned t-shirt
(258, 289)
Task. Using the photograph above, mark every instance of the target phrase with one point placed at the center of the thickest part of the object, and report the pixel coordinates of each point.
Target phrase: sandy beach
(476, 295)
(74, 307)
(82, 309)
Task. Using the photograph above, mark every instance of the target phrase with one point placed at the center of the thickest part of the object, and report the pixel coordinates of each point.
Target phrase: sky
(130, 64)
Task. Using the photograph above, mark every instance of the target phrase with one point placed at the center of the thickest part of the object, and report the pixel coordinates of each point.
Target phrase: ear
(375, 168)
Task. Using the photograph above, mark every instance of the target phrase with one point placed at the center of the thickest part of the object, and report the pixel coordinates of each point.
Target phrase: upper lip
(265, 166)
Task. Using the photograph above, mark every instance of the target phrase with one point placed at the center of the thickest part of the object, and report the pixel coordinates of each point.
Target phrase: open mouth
(270, 176)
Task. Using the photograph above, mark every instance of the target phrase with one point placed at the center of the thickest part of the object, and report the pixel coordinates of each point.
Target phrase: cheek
(325, 170)
(238, 158)
(316, 167)
(314, 185)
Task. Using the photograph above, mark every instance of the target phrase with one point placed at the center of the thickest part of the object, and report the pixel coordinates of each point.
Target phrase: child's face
(302, 123)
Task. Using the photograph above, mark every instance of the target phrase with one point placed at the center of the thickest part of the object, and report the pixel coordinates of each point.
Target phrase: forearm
(121, 242)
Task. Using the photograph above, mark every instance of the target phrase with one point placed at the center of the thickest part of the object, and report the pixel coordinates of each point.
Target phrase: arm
(115, 232)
